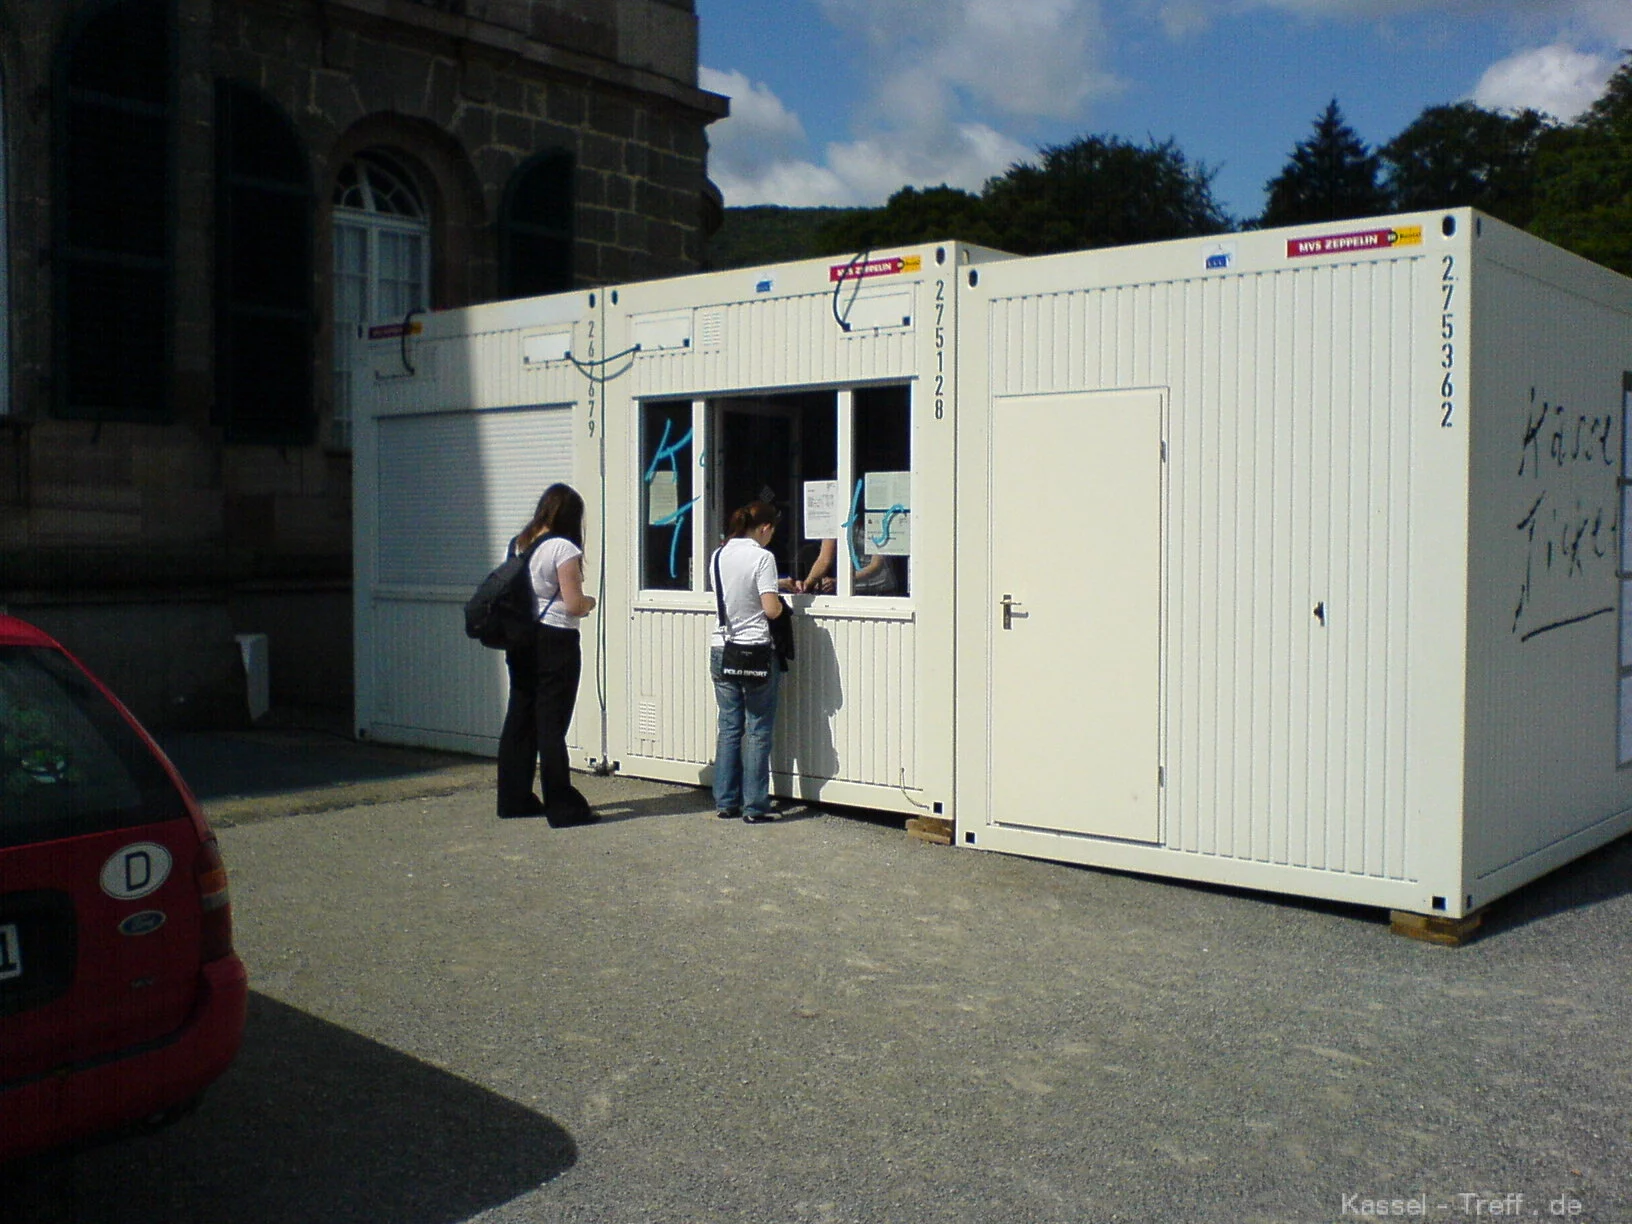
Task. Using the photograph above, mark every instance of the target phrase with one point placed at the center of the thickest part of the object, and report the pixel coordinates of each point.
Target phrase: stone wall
(150, 545)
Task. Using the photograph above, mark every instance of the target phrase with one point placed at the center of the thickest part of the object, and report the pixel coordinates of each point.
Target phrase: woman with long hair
(544, 675)
(744, 572)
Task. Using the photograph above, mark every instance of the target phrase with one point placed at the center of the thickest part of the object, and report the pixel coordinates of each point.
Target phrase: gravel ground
(670, 1018)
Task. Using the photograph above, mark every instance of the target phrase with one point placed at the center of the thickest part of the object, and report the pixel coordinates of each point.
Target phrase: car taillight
(215, 927)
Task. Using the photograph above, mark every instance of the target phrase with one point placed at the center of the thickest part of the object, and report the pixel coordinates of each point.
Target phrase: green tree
(768, 233)
(1331, 176)
(1101, 191)
(1095, 191)
(1463, 155)
(910, 216)
(1584, 198)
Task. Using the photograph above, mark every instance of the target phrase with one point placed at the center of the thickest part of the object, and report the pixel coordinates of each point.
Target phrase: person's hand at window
(818, 580)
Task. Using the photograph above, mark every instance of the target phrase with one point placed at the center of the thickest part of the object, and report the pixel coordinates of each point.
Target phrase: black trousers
(543, 691)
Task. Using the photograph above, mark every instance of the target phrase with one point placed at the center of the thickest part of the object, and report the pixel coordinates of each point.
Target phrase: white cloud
(793, 184)
(759, 154)
(1559, 80)
(1024, 57)
(756, 154)
(1609, 21)
(1182, 19)
(758, 125)
(929, 82)
(939, 84)
(964, 156)
(1583, 40)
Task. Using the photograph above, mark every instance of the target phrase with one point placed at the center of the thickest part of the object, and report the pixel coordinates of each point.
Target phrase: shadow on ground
(312, 1123)
(1594, 878)
(1602, 875)
(223, 765)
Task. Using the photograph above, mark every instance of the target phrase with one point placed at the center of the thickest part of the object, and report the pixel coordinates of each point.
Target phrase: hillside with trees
(1570, 183)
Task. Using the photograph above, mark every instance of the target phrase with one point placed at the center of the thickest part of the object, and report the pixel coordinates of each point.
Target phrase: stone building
(202, 201)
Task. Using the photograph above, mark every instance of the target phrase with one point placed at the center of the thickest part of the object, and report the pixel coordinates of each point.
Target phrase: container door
(1075, 613)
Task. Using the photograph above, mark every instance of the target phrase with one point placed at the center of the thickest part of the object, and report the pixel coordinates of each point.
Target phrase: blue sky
(844, 101)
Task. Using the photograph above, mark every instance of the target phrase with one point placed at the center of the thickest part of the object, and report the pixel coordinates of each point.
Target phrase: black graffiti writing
(1553, 437)
(1560, 544)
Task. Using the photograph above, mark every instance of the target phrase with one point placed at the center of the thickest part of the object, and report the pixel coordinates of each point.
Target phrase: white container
(793, 378)
(1315, 535)
(1288, 560)
(459, 426)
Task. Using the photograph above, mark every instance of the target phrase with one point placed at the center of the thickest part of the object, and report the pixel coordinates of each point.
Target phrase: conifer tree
(1330, 177)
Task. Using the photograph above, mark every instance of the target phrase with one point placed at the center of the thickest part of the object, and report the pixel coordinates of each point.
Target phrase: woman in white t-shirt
(544, 677)
(748, 587)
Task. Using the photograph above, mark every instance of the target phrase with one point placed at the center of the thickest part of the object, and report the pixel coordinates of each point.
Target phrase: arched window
(382, 261)
(535, 227)
(112, 229)
(263, 272)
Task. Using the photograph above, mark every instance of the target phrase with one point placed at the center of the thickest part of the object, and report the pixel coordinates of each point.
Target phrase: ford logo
(143, 923)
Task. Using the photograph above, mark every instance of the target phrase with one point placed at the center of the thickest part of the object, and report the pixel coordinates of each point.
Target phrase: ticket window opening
(766, 448)
(837, 465)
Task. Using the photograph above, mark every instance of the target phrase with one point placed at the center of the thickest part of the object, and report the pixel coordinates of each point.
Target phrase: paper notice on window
(662, 497)
(822, 521)
(888, 491)
(889, 532)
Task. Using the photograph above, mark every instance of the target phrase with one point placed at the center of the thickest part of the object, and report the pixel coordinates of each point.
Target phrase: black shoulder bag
(749, 665)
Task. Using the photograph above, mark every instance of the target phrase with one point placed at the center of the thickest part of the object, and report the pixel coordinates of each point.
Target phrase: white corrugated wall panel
(456, 486)
(451, 489)
(1542, 701)
(1288, 487)
(483, 369)
(871, 740)
(823, 731)
(673, 709)
(457, 688)
(771, 343)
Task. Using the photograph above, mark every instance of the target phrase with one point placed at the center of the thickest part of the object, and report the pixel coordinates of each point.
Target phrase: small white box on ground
(257, 669)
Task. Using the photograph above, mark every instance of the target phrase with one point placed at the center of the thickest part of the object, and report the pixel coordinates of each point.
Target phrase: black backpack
(503, 614)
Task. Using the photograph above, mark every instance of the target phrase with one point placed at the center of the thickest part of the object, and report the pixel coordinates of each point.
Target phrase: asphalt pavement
(673, 1019)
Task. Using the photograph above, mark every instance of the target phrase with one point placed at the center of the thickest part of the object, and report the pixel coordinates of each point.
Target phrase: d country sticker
(136, 870)
(1361, 240)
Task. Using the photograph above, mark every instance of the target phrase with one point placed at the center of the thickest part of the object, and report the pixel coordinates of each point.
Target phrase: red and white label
(875, 267)
(1360, 240)
(390, 331)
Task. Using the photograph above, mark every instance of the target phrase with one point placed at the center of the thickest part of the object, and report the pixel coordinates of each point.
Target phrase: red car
(120, 995)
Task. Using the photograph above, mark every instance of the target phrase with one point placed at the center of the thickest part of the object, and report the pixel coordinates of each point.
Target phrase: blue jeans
(742, 753)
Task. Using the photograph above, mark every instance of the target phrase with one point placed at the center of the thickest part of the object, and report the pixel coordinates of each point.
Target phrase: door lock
(1012, 608)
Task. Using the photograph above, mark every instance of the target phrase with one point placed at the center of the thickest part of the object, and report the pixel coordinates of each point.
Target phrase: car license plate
(11, 952)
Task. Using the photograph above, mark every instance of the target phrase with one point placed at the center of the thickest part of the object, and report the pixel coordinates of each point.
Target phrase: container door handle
(1012, 608)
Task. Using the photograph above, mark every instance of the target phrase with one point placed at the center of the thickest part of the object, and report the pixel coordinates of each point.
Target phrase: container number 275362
(1447, 337)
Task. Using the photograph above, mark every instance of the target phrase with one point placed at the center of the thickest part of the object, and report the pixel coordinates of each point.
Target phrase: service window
(879, 529)
(667, 502)
(766, 448)
(837, 464)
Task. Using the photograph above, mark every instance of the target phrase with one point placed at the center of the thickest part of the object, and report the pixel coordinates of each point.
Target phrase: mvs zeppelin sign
(1362, 240)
